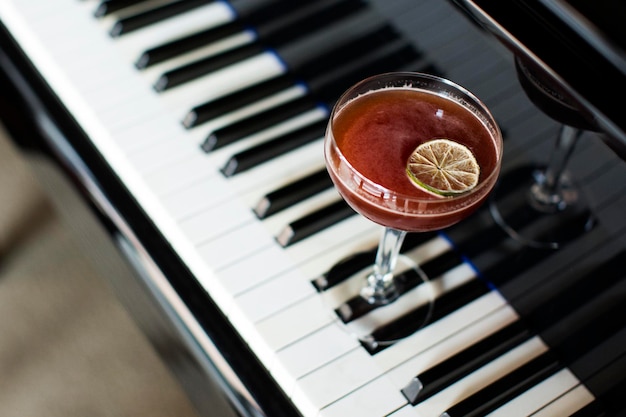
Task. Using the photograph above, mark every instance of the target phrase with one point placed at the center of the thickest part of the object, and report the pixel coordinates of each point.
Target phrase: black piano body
(214, 359)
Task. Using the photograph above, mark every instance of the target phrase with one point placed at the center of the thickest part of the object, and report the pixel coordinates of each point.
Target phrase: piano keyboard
(514, 331)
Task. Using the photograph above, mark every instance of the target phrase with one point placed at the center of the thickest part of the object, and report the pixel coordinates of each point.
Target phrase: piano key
(316, 383)
(273, 148)
(259, 121)
(548, 309)
(248, 14)
(110, 6)
(609, 401)
(268, 65)
(186, 44)
(567, 404)
(131, 23)
(506, 364)
(344, 53)
(542, 393)
(207, 111)
(357, 307)
(402, 369)
(602, 325)
(292, 193)
(323, 93)
(314, 222)
(436, 378)
(213, 14)
(287, 27)
(450, 301)
(178, 76)
(350, 265)
(341, 376)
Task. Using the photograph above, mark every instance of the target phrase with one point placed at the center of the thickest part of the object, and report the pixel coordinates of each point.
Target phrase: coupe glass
(403, 208)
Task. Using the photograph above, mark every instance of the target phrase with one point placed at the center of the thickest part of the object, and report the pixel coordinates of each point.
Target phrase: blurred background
(67, 347)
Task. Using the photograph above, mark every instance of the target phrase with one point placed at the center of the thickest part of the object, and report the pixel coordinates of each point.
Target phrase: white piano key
(243, 276)
(181, 174)
(543, 393)
(209, 224)
(234, 246)
(440, 402)
(338, 378)
(261, 301)
(407, 411)
(171, 149)
(359, 403)
(145, 134)
(295, 322)
(567, 404)
(401, 370)
(200, 196)
(316, 349)
(438, 331)
(433, 248)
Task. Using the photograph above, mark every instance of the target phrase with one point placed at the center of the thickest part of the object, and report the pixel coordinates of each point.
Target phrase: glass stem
(381, 288)
(546, 193)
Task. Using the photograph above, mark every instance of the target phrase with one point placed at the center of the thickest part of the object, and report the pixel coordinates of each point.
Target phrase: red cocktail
(382, 131)
(371, 139)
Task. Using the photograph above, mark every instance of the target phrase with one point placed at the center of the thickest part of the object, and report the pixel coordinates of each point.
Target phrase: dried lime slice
(443, 167)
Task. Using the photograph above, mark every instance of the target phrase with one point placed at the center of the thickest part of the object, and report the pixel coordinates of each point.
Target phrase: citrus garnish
(443, 167)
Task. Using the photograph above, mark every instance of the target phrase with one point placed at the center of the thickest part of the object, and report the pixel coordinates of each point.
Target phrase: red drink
(374, 136)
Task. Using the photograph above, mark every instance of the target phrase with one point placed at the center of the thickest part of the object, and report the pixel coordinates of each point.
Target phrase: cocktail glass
(435, 108)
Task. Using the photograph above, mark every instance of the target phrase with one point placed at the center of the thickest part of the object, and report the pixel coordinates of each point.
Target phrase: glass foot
(537, 219)
(378, 324)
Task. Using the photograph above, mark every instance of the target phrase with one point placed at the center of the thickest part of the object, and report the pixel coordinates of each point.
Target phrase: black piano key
(609, 403)
(177, 47)
(508, 387)
(580, 340)
(462, 364)
(180, 75)
(143, 19)
(265, 151)
(255, 123)
(547, 313)
(413, 320)
(316, 44)
(270, 34)
(107, 7)
(349, 266)
(247, 14)
(335, 57)
(593, 409)
(208, 111)
(358, 306)
(387, 59)
(292, 193)
(314, 222)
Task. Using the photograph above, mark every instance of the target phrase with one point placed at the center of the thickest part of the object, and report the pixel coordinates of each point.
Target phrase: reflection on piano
(163, 114)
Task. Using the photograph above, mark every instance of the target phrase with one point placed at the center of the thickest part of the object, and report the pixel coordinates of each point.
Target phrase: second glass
(374, 129)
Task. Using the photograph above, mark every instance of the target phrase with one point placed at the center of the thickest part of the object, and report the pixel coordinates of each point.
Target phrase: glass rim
(477, 104)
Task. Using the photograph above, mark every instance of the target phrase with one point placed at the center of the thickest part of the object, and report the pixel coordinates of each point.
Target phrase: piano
(190, 135)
